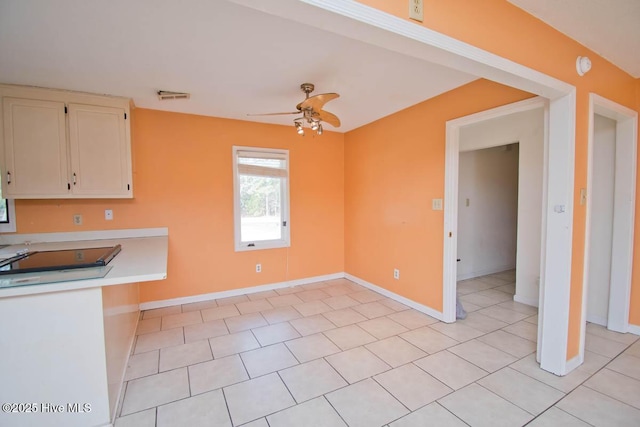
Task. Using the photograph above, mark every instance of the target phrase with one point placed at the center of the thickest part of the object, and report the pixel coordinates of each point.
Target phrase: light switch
(436, 204)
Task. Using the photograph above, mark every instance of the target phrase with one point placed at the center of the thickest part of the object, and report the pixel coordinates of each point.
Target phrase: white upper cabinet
(99, 161)
(35, 148)
(58, 144)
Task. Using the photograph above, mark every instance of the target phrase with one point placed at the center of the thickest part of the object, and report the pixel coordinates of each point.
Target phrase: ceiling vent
(165, 95)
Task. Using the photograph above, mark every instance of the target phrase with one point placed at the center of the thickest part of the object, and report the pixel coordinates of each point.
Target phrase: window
(7, 215)
(261, 198)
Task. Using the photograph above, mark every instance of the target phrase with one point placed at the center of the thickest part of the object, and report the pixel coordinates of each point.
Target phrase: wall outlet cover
(416, 10)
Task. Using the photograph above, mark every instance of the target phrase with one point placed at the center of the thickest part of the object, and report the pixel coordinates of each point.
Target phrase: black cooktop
(58, 260)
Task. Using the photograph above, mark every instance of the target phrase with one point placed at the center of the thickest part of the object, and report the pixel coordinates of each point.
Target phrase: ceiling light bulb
(319, 129)
(314, 125)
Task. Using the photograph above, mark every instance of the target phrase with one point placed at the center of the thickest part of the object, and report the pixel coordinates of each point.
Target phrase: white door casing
(623, 216)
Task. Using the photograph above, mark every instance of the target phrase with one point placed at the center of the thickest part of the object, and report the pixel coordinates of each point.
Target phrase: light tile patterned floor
(336, 354)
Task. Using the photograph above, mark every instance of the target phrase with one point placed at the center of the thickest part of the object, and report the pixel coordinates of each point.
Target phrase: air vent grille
(164, 95)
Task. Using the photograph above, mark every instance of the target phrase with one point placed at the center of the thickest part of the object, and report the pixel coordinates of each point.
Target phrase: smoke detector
(165, 95)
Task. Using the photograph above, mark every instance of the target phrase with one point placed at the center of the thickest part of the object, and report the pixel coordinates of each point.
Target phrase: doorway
(601, 225)
(487, 208)
(610, 200)
(521, 244)
(549, 275)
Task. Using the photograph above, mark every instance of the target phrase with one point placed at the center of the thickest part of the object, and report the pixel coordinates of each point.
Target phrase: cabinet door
(100, 157)
(35, 149)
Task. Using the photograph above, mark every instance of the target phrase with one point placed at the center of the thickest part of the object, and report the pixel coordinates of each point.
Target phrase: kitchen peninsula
(64, 346)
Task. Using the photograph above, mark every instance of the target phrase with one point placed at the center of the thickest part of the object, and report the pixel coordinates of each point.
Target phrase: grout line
(562, 410)
(447, 409)
(224, 396)
(390, 393)
(324, 396)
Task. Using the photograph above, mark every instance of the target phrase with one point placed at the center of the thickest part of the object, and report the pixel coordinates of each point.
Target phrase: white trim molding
(623, 217)
(240, 291)
(524, 300)
(452, 151)
(486, 272)
(291, 283)
(634, 329)
(555, 279)
(399, 298)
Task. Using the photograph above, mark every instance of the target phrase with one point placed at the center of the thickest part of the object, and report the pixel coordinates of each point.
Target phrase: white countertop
(142, 259)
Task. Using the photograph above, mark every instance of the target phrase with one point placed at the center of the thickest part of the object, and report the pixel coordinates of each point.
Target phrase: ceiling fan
(311, 110)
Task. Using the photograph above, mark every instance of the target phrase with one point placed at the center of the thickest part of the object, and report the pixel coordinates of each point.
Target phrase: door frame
(624, 213)
(557, 221)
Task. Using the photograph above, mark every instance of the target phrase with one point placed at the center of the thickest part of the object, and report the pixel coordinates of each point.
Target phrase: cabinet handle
(74, 178)
(8, 178)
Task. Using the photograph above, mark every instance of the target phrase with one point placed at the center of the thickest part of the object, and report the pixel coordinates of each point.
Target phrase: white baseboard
(484, 272)
(598, 320)
(633, 329)
(406, 301)
(251, 290)
(235, 292)
(526, 300)
(573, 364)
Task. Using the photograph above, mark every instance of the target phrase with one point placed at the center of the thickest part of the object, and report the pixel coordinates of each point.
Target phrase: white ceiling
(233, 60)
(611, 28)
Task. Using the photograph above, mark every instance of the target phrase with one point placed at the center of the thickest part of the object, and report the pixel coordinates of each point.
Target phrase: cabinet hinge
(65, 109)
(125, 116)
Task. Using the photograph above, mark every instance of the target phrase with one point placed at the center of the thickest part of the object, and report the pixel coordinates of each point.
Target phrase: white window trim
(285, 241)
(10, 227)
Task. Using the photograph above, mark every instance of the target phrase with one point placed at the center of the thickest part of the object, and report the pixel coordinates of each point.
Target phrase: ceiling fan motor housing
(307, 88)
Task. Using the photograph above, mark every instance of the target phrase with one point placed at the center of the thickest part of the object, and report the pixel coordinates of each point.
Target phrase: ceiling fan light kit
(312, 112)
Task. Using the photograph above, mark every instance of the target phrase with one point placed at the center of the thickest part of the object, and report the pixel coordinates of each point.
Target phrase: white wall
(601, 234)
(487, 210)
(527, 128)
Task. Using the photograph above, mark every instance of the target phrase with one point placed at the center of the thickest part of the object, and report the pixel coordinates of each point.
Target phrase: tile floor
(336, 354)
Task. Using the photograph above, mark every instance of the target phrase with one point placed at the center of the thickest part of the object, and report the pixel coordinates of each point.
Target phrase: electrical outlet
(396, 274)
(436, 204)
(108, 214)
(77, 219)
(258, 268)
(416, 10)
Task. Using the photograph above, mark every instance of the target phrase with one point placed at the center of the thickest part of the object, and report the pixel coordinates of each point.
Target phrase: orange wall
(393, 168)
(634, 309)
(501, 28)
(183, 180)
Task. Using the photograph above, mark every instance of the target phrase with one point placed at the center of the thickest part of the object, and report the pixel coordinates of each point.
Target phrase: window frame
(285, 240)
(9, 227)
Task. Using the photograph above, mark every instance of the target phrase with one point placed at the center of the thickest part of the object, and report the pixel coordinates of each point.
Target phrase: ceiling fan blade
(328, 117)
(316, 102)
(274, 114)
